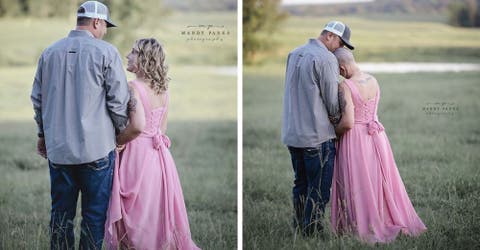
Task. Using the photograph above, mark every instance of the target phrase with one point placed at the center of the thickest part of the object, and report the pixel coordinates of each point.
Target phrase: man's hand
(334, 120)
(41, 148)
(120, 147)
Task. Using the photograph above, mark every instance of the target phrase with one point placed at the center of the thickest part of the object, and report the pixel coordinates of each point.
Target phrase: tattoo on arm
(132, 103)
(342, 104)
(335, 120)
(341, 100)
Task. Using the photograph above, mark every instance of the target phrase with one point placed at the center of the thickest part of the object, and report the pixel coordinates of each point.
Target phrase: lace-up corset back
(153, 117)
(365, 110)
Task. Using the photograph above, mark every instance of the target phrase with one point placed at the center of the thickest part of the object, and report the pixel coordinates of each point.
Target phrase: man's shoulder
(315, 52)
(299, 50)
(316, 57)
(102, 47)
(55, 45)
(329, 57)
(95, 44)
(321, 53)
(106, 45)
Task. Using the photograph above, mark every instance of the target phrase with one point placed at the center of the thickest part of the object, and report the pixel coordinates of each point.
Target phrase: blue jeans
(313, 169)
(94, 181)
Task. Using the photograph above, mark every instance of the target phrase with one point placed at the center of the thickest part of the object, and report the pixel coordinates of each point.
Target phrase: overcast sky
(300, 2)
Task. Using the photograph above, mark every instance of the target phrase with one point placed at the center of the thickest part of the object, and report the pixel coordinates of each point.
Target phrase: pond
(407, 67)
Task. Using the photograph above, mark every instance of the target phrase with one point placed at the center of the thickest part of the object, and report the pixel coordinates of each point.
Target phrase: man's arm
(36, 97)
(117, 92)
(329, 90)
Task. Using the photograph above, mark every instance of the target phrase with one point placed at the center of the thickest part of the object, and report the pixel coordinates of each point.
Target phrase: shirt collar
(316, 42)
(77, 33)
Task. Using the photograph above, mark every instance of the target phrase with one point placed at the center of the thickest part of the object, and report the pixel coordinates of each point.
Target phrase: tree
(259, 16)
(465, 13)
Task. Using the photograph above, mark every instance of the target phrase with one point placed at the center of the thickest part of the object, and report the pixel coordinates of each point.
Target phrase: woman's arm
(136, 116)
(347, 109)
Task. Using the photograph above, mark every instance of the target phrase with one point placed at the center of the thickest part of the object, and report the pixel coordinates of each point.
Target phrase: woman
(147, 210)
(368, 195)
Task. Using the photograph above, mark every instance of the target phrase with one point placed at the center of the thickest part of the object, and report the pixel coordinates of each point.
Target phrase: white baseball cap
(94, 9)
(341, 30)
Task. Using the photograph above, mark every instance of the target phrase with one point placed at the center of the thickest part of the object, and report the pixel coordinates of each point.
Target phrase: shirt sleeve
(36, 97)
(117, 94)
(329, 73)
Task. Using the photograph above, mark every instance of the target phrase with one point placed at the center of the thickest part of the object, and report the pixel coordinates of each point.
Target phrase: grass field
(437, 156)
(202, 127)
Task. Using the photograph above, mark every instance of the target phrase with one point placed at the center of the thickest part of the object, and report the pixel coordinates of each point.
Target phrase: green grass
(437, 156)
(380, 40)
(202, 127)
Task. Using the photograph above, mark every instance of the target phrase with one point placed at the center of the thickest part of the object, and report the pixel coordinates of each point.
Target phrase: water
(397, 67)
(407, 67)
(225, 70)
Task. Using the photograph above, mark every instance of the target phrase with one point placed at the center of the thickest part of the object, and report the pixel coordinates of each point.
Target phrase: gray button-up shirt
(80, 96)
(311, 96)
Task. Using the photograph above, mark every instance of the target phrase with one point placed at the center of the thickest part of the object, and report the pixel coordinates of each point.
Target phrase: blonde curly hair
(151, 63)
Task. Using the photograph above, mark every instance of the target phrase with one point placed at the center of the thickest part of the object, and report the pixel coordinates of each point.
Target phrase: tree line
(63, 8)
(37, 8)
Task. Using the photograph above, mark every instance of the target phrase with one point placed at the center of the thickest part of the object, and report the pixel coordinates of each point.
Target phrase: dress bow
(375, 127)
(159, 140)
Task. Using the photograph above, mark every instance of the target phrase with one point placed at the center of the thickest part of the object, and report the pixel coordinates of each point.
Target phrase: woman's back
(155, 106)
(367, 86)
(155, 100)
(365, 94)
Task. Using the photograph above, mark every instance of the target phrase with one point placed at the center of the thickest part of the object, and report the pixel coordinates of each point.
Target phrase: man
(80, 97)
(310, 104)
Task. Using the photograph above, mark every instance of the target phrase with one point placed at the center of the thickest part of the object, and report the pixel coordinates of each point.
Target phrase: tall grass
(436, 154)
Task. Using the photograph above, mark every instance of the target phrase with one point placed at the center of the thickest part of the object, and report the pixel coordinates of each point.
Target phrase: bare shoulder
(374, 81)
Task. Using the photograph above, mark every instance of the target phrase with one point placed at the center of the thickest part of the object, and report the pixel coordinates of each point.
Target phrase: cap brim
(110, 24)
(347, 44)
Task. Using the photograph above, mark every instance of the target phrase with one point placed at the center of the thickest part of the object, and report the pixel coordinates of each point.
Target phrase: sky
(301, 2)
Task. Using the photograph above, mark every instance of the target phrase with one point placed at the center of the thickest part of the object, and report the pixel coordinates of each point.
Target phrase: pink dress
(369, 199)
(147, 210)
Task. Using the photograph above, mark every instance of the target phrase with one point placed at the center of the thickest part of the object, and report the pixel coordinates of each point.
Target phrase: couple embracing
(369, 199)
(105, 138)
